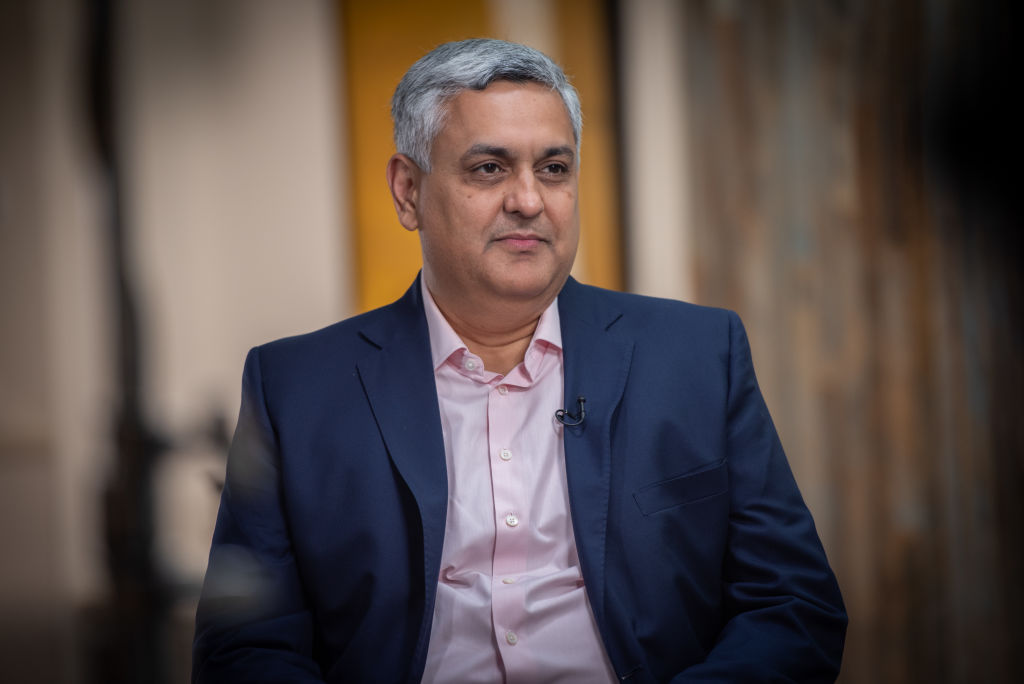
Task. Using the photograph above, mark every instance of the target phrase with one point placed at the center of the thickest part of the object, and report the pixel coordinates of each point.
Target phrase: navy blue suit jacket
(700, 559)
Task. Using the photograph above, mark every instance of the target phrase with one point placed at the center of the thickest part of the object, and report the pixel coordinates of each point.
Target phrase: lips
(521, 240)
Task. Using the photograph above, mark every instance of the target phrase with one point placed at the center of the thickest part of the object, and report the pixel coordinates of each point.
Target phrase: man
(507, 475)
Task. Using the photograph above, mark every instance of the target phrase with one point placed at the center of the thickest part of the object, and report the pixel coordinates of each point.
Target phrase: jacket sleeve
(253, 624)
(785, 616)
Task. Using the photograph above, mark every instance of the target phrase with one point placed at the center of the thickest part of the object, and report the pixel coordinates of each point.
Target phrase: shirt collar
(444, 341)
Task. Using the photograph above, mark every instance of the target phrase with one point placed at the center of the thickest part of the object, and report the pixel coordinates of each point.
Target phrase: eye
(555, 169)
(488, 168)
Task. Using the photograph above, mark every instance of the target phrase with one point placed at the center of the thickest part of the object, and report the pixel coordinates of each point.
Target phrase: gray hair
(418, 105)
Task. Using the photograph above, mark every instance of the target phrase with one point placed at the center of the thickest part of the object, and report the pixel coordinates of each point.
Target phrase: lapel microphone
(573, 419)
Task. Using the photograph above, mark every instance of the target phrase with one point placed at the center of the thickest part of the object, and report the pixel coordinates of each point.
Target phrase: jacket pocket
(683, 489)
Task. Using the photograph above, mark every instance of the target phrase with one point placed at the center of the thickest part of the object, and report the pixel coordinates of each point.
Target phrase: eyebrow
(484, 150)
(564, 150)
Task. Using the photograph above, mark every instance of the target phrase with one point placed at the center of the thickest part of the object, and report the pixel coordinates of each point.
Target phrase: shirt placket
(505, 415)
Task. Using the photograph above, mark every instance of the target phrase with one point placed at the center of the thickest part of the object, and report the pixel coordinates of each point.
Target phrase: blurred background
(181, 180)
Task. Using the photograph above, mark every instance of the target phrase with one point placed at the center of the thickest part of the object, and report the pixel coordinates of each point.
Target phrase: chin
(529, 288)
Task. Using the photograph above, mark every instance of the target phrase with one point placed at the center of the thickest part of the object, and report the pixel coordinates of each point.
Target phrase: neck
(501, 336)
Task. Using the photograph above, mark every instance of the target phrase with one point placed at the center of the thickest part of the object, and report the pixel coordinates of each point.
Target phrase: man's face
(498, 214)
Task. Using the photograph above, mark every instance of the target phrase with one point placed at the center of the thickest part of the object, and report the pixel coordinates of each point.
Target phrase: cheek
(562, 209)
(476, 213)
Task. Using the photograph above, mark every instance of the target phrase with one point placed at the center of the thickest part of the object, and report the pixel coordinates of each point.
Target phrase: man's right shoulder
(343, 342)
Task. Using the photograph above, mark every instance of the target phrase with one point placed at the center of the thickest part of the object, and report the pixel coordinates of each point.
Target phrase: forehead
(506, 110)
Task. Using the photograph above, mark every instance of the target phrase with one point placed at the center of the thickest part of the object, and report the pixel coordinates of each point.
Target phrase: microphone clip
(573, 419)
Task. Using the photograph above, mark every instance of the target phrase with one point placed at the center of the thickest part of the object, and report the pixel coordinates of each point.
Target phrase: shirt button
(511, 520)
(506, 455)
(508, 580)
(470, 364)
(511, 638)
(502, 390)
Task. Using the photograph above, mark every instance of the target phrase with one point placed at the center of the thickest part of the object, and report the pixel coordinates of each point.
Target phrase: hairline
(444, 107)
(421, 103)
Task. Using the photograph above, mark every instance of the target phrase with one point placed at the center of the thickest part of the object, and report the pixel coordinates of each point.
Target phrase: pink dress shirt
(511, 605)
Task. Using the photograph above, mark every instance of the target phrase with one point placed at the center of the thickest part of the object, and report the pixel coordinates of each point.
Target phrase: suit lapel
(597, 363)
(399, 383)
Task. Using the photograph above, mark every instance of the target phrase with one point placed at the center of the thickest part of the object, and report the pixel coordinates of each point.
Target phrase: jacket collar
(399, 384)
(597, 362)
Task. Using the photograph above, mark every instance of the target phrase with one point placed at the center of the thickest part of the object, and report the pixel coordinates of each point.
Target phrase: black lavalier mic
(573, 419)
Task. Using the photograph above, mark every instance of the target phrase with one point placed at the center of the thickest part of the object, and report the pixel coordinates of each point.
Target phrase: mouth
(521, 241)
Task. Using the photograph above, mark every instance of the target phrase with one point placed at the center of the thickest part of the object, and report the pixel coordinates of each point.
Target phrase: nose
(523, 195)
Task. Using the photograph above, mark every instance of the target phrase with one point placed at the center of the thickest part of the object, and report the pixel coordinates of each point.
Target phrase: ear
(404, 181)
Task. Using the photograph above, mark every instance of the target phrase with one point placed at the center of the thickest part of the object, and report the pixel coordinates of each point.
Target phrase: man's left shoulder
(643, 313)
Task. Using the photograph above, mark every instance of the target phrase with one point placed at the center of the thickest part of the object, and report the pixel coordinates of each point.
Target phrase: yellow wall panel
(585, 54)
(381, 39)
